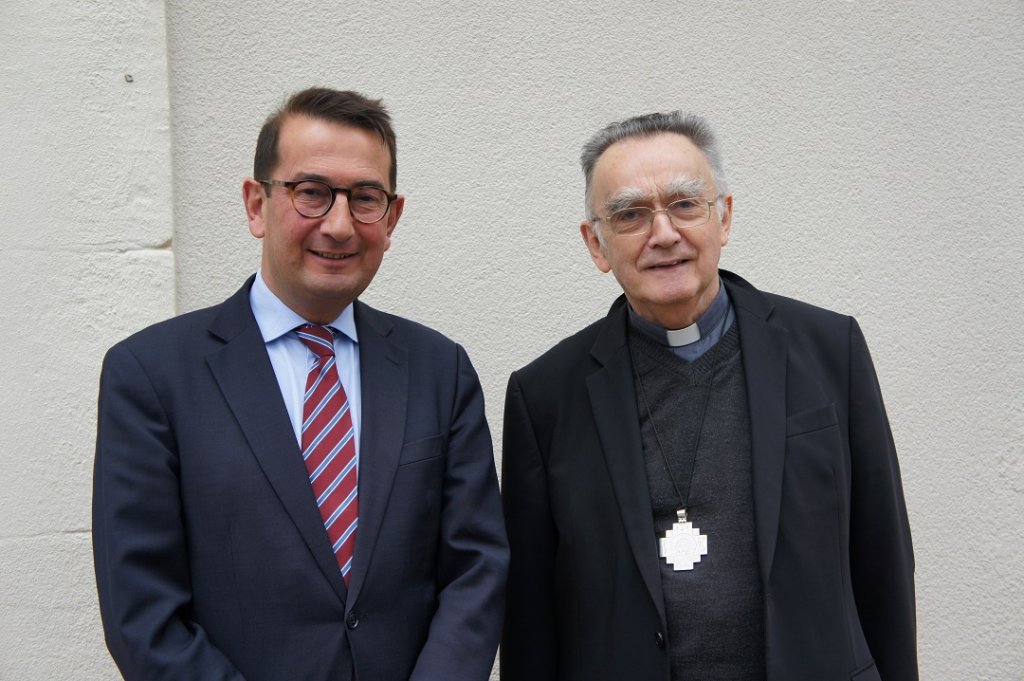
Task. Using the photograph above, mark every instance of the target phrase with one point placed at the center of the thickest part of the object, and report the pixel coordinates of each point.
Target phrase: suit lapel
(383, 366)
(764, 350)
(613, 401)
(246, 377)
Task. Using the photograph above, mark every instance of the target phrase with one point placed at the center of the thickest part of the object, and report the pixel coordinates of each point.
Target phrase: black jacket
(585, 600)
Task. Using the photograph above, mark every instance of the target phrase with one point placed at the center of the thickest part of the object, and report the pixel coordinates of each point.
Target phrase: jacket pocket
(811, 420)
(421, 450)
(868, 673)
(814, 452)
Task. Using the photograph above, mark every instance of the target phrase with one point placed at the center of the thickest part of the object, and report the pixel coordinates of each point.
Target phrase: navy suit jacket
(212, 561)
(585, 597)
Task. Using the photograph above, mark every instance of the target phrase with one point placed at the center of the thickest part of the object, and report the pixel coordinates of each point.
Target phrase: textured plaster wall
(875, 150)
(86, 220)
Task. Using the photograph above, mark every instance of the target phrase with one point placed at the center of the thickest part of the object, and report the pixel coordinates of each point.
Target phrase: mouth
(331, 256)
(668, 264)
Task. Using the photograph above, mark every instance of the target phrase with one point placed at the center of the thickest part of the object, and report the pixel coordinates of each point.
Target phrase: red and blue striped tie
(329, 448)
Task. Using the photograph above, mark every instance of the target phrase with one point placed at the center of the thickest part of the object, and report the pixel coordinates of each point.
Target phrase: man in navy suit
(212, 553)
(702, 485)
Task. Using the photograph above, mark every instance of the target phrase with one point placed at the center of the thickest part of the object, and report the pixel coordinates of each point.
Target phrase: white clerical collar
(678, 337)
(709, 326)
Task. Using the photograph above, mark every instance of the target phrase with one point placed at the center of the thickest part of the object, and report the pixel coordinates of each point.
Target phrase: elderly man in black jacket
(702, 485)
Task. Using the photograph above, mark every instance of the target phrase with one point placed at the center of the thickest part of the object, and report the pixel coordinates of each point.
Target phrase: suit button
(659, 639)
(353, 621)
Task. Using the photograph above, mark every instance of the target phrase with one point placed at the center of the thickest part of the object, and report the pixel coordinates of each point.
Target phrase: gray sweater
(715, 611)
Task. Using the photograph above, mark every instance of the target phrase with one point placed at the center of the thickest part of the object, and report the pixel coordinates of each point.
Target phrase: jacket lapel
(383, 366)
(764, 350)
(613, 401)
(246, 377)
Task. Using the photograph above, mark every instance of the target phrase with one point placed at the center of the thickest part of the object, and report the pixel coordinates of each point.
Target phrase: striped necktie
(328, 446)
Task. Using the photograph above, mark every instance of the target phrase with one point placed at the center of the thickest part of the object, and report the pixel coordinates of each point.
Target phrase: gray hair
(691, 126)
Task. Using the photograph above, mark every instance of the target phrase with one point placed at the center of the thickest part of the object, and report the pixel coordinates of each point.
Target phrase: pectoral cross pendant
(683, 545)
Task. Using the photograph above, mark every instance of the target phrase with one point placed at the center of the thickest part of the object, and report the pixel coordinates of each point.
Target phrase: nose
(663, 232)
(338, 223)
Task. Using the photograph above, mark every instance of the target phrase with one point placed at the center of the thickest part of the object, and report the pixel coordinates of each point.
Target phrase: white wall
(86, 220)
(876, 153)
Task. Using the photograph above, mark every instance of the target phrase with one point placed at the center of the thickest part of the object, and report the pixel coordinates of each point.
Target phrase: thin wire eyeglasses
(637, 220)
(314, 199)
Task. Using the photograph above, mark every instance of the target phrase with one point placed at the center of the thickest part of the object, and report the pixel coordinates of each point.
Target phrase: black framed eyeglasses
(314, 199)
(637, 220)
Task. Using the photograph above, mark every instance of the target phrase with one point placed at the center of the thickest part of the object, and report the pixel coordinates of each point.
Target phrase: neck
(678, 316)
(701, 334)
(315, 314)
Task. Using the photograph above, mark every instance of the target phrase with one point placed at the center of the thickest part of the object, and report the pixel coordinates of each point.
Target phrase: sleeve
(473, 548)
(529, 645)
(881, 554)
(139, 545)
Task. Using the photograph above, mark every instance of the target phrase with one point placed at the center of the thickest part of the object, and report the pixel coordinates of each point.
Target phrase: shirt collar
(709, 323)
(276, 319)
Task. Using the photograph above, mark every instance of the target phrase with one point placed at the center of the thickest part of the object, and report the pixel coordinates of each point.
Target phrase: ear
(726, 218)
(397, 206)
(588, 231)
(255, 202)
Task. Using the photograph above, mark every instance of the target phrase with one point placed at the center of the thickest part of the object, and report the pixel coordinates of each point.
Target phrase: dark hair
(336, 106)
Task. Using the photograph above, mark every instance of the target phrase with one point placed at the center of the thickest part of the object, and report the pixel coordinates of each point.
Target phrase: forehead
(649, 164)
(313, 146)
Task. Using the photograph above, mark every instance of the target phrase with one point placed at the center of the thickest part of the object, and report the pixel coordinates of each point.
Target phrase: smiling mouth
(331, 256)
(665, 265)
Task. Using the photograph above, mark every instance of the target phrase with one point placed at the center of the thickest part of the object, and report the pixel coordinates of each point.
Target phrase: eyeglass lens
(314, 199)
(683, 213)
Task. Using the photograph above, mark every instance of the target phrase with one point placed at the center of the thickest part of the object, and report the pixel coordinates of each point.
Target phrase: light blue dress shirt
(292, 360)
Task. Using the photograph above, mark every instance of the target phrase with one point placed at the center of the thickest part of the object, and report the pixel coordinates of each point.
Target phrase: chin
(676, 296)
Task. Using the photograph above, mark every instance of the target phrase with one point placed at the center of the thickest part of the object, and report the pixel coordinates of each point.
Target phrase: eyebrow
(686, 187)
(326, 180)
(681, 187)
(624, 198)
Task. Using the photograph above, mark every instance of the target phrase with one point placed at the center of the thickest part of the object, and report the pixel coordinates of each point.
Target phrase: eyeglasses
(314, 199)
(637, 220)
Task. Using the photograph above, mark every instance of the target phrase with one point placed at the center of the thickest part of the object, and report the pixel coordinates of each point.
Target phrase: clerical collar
(677, 337)
(695, 339)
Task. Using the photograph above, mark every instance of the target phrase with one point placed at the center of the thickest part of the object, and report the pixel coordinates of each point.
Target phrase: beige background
(875, 149)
